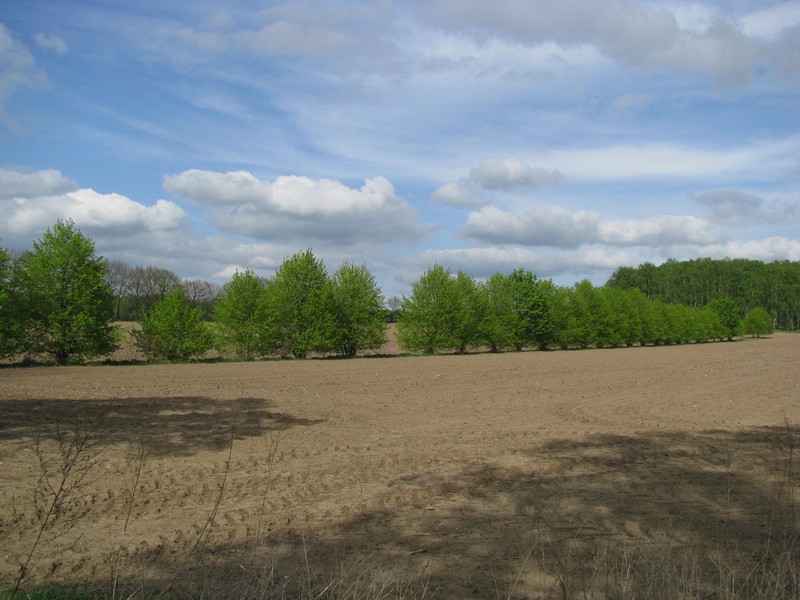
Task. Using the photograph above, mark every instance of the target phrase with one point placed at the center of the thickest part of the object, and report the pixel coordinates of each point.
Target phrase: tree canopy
(64, 304)
(774, 286)
(173, 329)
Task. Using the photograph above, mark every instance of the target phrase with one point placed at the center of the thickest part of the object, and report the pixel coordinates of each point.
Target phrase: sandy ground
(466, 476)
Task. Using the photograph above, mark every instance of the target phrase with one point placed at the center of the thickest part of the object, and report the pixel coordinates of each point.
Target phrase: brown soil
(482, 475)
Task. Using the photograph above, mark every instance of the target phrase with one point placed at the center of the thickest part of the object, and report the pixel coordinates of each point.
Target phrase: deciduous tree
(431, 313)
(298, 307)
(757, 322)
(239, 318)
(358, 308)
(173, 329)
(67, 304)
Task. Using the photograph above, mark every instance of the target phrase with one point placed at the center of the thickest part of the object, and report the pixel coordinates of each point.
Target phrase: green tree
(173, 329)
(9, 335)
(238, 316)
(431, 314)
(531, 299)
(298, 307)
(66, 304)
(471, 311)
(358, 308)
(728, 312)
(499, 317)
(757, 322)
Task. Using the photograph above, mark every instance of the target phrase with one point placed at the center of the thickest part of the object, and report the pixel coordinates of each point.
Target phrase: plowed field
(481, 475)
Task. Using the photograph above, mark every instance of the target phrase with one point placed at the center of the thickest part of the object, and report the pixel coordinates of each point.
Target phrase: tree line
(774, 286)
(60, 300)
(447, 312)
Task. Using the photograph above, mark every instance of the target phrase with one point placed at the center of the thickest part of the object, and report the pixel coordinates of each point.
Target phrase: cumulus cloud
(767, 250)
(661, 230)
(300, 208)
(509, 173)
(457, 194)
(544, 226)
(16, 184)
(101, 213)
(51, 42)
(554, 226)
(494, 174)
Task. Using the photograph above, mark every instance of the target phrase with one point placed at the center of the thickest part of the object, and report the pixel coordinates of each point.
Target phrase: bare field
(485, 475)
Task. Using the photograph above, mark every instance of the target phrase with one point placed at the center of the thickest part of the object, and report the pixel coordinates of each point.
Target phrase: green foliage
(298, 307)
(9, 331)
(728, 312)
(173, 329)
(530, 299)
(431, 314)
(757, 322)
(775, 286)
(239, 317)
(470, 313)
(65, 304)
(358, 308)
(499, 316)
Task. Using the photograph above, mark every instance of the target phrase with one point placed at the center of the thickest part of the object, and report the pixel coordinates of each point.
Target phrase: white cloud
(457, 194)
(494, 174)
(767, 250)
(16, 184)
(661, 230)
(102, 214)
(300, 208)
(51, 42)
(554, 226)
(545, 226)
(509, 173)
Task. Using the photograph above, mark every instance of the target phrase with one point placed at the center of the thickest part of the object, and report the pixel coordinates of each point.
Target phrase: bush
(173, 330)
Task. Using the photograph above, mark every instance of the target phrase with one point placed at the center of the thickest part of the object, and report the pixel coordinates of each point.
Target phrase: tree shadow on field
(661, 515)
(167, 426)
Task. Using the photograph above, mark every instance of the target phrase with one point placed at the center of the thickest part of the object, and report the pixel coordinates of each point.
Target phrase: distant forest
(774, 286)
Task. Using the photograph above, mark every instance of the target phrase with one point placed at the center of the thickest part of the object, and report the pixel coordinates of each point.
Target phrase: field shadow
(167, 426)
(693, 514)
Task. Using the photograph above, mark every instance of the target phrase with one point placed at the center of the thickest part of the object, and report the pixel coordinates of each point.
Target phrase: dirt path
(448, 470)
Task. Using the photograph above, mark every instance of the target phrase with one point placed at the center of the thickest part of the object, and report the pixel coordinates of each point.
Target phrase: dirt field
(450, 476)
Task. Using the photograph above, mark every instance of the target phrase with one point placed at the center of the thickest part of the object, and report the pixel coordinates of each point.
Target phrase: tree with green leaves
(358, 309)
(9, 333)
(173, 329)
(239, 317)
(728, 312)
(298, 307)
(66, 305)
(499, 317)
(757, 322)
(431, 314)
(531, 304)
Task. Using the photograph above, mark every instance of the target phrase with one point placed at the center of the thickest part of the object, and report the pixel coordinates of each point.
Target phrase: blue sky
(568, 138)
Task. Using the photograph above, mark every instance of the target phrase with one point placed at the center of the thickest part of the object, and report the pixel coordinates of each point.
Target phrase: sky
(566, 138)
